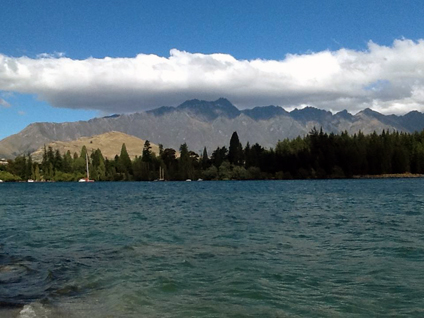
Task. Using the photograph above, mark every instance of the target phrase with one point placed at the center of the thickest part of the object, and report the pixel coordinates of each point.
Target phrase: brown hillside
(109, 143)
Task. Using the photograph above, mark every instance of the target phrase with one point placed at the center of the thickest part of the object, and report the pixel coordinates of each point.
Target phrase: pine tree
(58, 162)
(185, 165)
(44, 162)
(29, 169)
(205, 159)
(50, 155)
(125, 164)
(235, 154)
(147, 152)
(98, 163)
(67, 162)
(83, 152)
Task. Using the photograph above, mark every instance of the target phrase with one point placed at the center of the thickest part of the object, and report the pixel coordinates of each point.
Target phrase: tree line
(317, 155)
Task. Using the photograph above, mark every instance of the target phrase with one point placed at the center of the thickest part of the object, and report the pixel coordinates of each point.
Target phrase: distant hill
(211, 123)
(109, 143)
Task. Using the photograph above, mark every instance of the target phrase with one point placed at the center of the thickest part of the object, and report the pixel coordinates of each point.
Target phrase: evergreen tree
(246, 155)
(67, 162)
(83, 152)
(44, 161)
(185, 167)
(57, 162)
(205, 159)
(218, 156)
(318, 155)
(99, 167)
(147, 152)
(30, 169)
(171, 164)
(235, 153)
(125, 164)
(255, 154)
(18, 167)
(50, 172)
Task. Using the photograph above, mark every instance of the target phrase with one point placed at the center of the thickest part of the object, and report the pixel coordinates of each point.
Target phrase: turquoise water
(331, 248)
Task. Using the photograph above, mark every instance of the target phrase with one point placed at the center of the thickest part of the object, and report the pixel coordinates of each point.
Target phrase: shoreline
(355, 177)
(389, 175)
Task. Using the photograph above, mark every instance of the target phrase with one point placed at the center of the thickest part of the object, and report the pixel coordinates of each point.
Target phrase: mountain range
(210, 124)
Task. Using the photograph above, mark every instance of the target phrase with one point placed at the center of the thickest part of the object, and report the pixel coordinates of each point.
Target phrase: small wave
(27, 312)
(12, 273)
(34, 310)
(204, 255)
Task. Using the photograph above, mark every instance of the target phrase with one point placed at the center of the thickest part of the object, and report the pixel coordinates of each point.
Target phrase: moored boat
(87, 178)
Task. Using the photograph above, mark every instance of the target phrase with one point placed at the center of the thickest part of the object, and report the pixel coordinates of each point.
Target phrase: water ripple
(331, 248)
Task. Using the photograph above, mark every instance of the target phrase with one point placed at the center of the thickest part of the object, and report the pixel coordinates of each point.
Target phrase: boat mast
(86, 162)
(161, 174)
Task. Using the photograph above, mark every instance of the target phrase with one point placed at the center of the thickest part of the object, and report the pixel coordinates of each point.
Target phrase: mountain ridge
(210, 124)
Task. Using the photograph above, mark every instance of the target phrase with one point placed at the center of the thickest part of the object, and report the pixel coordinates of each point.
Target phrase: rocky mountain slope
(210, 123)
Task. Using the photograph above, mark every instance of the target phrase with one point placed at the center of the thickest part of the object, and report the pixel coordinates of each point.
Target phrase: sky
(74, 60)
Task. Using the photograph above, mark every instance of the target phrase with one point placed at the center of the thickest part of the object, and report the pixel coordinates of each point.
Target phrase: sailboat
(161, 174)
(87, 178)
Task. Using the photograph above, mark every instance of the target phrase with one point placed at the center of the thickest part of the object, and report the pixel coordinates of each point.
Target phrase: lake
(322, 248)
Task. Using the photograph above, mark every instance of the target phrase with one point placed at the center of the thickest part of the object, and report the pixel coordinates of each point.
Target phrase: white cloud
(4, 103)
(389, 79)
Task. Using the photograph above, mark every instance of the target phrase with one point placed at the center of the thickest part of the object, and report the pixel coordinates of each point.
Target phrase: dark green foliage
(169, 160)
(218, 156)
(67, 162)
(185, 164)
(83, 152)
(147, 152)
(235, 153)
(18, 167)
(205, 159)
(124, 163)
(29, 173)
(317, 155)
(57, 162)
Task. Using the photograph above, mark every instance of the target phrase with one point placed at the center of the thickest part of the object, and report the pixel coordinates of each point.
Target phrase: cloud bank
(389, 79)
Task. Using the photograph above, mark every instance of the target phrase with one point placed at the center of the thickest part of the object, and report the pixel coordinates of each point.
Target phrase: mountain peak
(210, 110)
(220, 102)
(369, 112)
(310, 113)
(264, 112)
(224, 102)
(112, 116)
(344, 114)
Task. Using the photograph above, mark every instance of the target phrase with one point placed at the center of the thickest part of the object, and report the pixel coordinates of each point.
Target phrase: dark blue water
(336, 248)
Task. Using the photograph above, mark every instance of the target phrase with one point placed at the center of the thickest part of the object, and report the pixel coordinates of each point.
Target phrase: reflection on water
(212, 249)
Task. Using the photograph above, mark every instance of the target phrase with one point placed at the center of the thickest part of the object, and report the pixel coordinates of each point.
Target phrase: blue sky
(251, 37)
